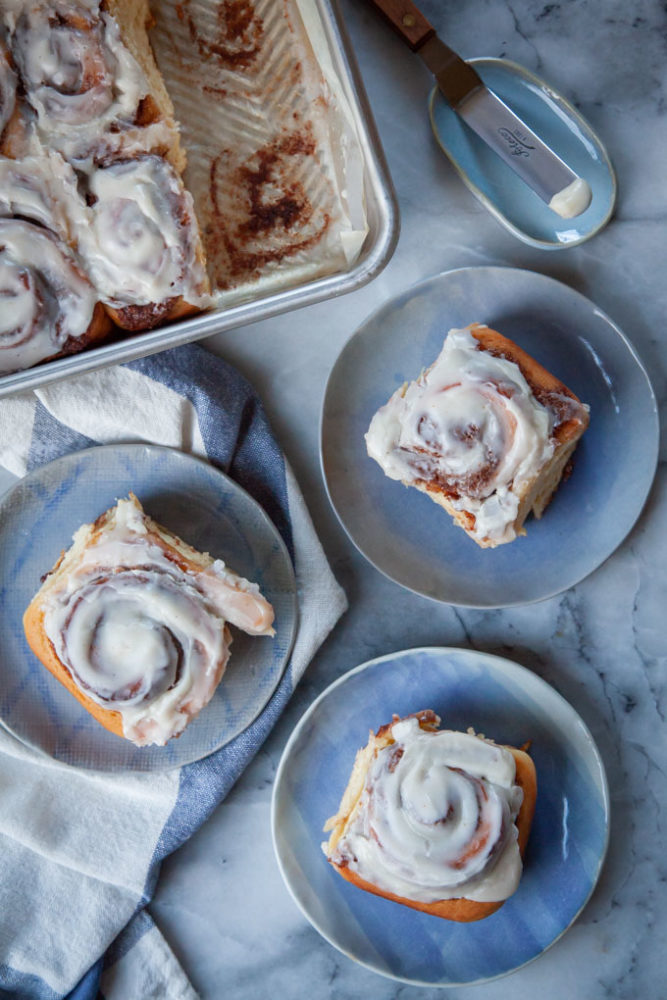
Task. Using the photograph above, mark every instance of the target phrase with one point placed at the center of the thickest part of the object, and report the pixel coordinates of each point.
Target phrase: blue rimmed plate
(38, 517)
(565, 851)
(496, 185)
(411, 539)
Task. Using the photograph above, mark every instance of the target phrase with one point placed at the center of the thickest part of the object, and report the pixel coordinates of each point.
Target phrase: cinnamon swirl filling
(436, 818)
(141, 247)
(46, 303)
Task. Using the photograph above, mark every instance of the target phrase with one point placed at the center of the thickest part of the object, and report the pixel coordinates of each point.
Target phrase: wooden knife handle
(407, 20)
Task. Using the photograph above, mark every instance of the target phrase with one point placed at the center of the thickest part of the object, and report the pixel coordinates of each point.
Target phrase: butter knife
(488, 116)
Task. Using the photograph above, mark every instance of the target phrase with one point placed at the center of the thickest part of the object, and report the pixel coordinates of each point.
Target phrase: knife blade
(488, 116)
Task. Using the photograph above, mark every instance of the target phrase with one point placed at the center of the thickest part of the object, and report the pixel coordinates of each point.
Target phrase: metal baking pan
(383, 228)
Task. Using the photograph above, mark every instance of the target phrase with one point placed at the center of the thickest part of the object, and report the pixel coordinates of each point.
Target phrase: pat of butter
(572, 200)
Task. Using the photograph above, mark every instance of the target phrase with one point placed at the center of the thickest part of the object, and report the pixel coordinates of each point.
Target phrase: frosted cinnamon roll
(486, 432)
(49, 307)
(42, 189)
(133, 621)
(80, 77)
(435, 819)
(142, 249)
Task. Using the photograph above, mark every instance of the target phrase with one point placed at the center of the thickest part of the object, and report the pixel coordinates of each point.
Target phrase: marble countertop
(220, 900)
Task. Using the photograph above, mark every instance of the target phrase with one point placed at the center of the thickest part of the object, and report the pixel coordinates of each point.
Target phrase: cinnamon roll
(8, 84)
(142, 248)
(486, 432)
(82, 80)
(49, 307)
(434, 819)
(133, 621)
(42, 189)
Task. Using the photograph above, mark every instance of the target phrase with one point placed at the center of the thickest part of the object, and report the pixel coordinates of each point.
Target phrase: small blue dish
(411, 539)
(38, 517)
(496, 185)
(567, 844)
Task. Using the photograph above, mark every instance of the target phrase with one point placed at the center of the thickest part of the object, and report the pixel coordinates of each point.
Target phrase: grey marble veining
(220, 900)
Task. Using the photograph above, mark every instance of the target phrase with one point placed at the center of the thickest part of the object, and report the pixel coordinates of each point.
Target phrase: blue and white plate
(567, 843)
(411, 539)
(197, 502)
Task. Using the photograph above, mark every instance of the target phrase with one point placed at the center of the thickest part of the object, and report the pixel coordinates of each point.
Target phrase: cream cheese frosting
(435, 819)
(470, 423)
(141, 635)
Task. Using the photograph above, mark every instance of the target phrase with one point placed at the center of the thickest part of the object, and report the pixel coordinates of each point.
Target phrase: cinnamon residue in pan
(237, 37)
(272, 204)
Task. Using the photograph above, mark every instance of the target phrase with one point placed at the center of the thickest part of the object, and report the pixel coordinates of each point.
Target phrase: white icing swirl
(78, 76)
(471, 424)
(141, 245)
(92, 138)
(45, 300)
(143, 636)
(436, 818)
(42, 189)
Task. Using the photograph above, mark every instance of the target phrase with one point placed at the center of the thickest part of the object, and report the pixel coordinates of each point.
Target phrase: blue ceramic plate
(496, 185)
(410, 538)
(567, 844)
(208, 510)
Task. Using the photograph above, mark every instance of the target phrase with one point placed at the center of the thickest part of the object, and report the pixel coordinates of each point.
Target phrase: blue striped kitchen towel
(73, 918)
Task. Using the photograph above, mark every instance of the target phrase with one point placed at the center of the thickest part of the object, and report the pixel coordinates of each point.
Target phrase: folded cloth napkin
(80, 851)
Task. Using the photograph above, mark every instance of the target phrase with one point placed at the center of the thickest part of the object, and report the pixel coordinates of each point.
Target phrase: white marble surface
(220, 900)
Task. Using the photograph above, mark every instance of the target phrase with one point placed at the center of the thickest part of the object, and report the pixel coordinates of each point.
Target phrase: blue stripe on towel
(204, 785)
(51, 439)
